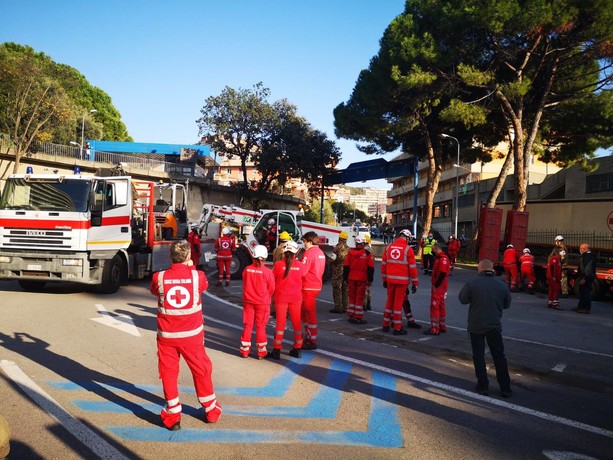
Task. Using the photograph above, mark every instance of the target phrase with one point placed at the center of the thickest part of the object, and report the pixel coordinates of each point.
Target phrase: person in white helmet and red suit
(527, 270)
(440, 282)
(180, 332)
(225, 247)
(288, 274)
(398, 270)
(358, 271)
(510, 262)
(314, 261)
(554, 273)
(258, 288)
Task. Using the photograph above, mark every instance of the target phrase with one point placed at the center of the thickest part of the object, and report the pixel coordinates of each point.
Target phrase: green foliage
(472, 76)
(314, 212)
(242, 123)
(469, 115)
(80, 97)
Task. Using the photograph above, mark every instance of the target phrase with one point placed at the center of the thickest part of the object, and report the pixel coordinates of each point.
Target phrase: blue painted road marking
(324, 404)
(277, 386)
(384, 429)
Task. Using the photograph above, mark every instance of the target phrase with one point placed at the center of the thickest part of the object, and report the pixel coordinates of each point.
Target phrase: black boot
(296, 352)
(275, 353)
(368, 305)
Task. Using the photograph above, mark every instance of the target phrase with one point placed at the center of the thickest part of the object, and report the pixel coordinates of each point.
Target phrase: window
(599, 183)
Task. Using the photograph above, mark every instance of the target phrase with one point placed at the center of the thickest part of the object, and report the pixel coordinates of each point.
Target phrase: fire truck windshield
(45, 195)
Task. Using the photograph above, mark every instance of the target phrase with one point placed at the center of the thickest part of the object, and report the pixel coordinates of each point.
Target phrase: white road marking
(122, 322)
(451, 389)
(559, 367)
(561, 455)
(92, 440)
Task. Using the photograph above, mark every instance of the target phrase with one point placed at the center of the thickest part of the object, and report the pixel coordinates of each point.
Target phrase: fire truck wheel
(32, 286)
(113, 276)
(240, 260)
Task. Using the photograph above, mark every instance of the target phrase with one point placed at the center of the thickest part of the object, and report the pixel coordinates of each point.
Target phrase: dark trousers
(494, 342)
(585, 295)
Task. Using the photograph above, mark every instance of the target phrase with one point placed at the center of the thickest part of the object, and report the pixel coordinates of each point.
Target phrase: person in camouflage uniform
(339, 287)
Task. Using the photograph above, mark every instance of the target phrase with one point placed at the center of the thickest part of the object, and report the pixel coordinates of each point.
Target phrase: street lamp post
(83, 131)
(457, 182)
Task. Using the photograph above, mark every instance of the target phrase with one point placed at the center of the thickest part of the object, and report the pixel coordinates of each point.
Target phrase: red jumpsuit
(288, 297)
(398, 268)
(527, 270)
(258, 288)
(314, 264)
(453, 247)
(194, 242)
(271, 237)
(554, 275)
(224, 247)
(359, 269)
(180, 332)
(440, 276)
(509, 261)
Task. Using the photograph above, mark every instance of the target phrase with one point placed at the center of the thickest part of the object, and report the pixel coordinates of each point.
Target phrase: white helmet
(271, 221)
(559, 238)
(226, 231)
(193, 225)
(406, 232)
(290, 246)
(509, 246)
(260, 252)
(526, 251)
(360, 240)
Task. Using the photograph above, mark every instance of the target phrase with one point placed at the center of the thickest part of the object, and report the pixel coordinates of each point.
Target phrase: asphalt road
(79, 380)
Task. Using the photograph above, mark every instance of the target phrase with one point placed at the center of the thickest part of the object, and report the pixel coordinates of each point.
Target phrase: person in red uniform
(225, 247)
(527, 270)
(358, 271)
(554, 275)
(398, 269)
(314, 264)
(453, 248)
(510, 261)
(271, 235)
(194, 241)
(180, 332)
(258, 288)
(440, 281)
(288, 274)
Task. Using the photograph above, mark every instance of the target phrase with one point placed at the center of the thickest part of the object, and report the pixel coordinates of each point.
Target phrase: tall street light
(83, 131)
(457, 181)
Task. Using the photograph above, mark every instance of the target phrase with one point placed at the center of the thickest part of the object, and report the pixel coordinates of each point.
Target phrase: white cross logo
(178, 297)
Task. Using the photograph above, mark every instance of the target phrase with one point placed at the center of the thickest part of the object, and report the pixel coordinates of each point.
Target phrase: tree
(235, 123)
(43, 101)
(32, 104)
(314, 212)
(242, 123)
(397, 102)
(539, 70)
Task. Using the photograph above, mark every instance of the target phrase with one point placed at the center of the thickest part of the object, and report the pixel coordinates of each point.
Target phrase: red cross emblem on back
(178, 297)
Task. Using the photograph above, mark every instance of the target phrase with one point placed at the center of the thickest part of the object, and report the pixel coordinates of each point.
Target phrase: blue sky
(159, 60)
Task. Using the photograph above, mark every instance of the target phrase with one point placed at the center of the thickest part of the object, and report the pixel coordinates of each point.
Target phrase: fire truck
(98, 230)
(254, 229)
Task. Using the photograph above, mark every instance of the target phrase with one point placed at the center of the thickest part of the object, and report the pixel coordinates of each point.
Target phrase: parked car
(375, 232)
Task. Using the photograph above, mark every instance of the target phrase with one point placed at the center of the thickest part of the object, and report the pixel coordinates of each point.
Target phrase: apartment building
(475, 182)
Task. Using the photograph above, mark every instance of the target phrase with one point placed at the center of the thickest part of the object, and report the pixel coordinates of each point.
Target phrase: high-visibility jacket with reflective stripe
(179, 291)
(224, 247)
(398, 264)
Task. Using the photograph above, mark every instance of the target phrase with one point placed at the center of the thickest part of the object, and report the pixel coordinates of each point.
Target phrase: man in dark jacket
(487, 297)
(587, 275)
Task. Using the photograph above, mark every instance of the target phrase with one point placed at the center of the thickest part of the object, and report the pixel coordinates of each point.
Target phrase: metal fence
(138, 161)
